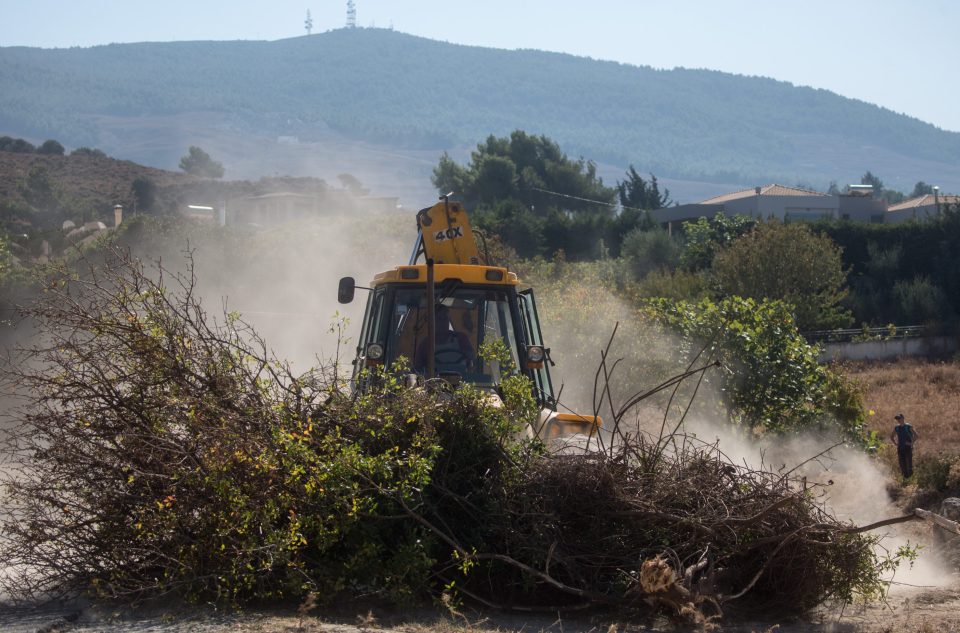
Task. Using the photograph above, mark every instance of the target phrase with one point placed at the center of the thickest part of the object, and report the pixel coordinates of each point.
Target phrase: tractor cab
(469, 313)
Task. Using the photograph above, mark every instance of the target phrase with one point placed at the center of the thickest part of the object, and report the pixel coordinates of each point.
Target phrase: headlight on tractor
(374, 354)
(535, 356)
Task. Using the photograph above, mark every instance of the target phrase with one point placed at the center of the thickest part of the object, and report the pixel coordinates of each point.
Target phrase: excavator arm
(446, 236)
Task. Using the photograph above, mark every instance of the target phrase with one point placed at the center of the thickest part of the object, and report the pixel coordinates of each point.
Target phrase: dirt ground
(908, 610)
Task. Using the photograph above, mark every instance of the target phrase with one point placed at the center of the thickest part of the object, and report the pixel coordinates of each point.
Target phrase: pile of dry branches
(658, 524)
(684, 531)
(138, 462)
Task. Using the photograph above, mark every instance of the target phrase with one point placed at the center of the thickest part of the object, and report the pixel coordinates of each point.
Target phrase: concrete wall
(793, 207)
(926, 212)
(933, 346)
(862, 209)
(685, 212)
(798, 207)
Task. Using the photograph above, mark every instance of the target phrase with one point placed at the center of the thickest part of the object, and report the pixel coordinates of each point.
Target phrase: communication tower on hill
(308, 23)
(351, 14)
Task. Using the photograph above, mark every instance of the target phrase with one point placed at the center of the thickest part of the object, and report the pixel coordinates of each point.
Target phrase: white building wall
(742, 206)
(926, 212)
(801, 207)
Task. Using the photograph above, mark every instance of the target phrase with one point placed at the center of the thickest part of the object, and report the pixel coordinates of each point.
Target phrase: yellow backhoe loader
(438, 314)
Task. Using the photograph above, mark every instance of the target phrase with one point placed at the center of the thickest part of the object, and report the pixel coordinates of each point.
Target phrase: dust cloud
(284, 282)
(851, 484)
(578, 322)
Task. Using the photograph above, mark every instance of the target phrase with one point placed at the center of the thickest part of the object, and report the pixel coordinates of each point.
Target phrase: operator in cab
(452, 351)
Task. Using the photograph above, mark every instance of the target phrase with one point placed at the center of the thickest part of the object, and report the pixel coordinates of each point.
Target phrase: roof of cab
(468, 274)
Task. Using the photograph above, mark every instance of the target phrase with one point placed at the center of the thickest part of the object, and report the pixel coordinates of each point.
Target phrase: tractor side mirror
(346, 290)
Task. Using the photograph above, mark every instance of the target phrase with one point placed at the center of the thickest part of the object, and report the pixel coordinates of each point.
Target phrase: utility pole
(308, 23)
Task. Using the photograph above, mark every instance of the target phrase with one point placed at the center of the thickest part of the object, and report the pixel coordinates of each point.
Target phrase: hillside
(401, 100)
(88, 181)
(39, 192)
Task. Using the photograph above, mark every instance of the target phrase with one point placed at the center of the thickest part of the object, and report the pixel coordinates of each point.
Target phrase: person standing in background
(903, 436)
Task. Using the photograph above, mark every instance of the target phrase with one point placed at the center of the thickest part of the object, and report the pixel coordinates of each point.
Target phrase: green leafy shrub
(789, 263)
(172, 453)
(772, 378)
(7, 266)
(936, 472)
(919, 302)
(705, 237)
(649, 251)
(883, 255)
(679, 285)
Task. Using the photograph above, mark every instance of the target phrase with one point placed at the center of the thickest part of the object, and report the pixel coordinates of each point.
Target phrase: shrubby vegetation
(832, 274)
(207, 467)
(21, 146)
(167, 450)
(790, 263)
(705, 237)
(772, 380)
(769, 379)
(734, 289)
(88, 151)
(650, 251)
(16, 145)
(908, 274)
(6, 263)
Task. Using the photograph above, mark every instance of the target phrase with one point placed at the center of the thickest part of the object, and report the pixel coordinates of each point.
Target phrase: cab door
(531, 326)
(371, 332)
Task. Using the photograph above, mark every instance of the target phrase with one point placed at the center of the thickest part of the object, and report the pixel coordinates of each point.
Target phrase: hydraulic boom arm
(446, 235)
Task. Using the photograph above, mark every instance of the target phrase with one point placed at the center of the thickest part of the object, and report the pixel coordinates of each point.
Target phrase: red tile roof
(927, 200)
(769, 190)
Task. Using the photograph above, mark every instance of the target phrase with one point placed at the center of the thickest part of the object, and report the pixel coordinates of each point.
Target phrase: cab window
(466, 319)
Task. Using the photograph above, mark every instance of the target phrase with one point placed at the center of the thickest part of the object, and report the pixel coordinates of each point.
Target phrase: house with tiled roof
(770, 201)
(784, 203)
(922, 208)
(769, 191)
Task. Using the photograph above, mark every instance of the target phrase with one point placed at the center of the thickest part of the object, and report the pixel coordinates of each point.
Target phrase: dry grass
(927, 393)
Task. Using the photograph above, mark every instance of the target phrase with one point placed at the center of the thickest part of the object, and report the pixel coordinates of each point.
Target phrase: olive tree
(790, 263)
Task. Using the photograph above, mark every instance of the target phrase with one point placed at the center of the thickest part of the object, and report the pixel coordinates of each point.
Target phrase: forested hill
(408, 92)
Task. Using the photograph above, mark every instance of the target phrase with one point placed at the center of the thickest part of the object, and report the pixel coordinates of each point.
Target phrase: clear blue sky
(899, 54)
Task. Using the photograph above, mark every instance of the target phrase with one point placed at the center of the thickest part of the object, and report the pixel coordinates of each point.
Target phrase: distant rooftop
(768, 190)
(927, 200)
